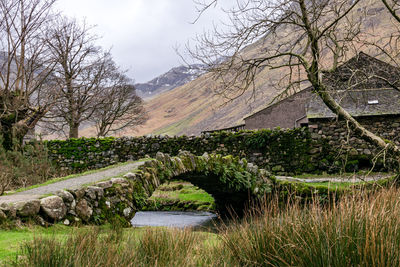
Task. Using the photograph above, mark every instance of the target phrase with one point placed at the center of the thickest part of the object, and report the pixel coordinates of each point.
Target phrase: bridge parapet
(230, 180)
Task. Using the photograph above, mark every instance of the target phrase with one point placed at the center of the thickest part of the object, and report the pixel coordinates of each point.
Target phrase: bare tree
(306, 38)
(92, 88)
(79, 66)
(394, 8)
(119, 106)
(27, 91)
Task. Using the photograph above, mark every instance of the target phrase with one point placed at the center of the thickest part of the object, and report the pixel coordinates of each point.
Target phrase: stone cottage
(365, 86)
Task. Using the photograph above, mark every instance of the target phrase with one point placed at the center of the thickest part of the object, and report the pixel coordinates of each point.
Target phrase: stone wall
(332, 137)
(322, 147)
(279, 151)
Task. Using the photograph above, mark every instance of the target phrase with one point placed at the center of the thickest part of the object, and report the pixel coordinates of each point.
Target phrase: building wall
(288, 113)
(336, 133)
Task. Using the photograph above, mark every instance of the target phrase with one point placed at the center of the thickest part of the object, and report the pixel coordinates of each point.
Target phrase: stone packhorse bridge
(231, 181)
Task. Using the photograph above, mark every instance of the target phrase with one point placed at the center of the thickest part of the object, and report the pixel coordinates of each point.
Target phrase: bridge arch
(230, 180)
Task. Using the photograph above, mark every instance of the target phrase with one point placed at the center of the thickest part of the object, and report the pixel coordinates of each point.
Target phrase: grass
(176, 127)
(335, 175)
(95, 246)
(179, 194)
(360, 229)
(59, 179)
(10, 240)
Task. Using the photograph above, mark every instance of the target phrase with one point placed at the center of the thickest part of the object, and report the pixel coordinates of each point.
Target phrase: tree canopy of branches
(92, 88)
(306, 39)
(26, 89)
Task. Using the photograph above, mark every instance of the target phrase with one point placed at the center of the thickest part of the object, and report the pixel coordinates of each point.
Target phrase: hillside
(192, 108)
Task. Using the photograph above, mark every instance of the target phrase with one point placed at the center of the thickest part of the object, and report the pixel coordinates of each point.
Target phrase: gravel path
(73, 183)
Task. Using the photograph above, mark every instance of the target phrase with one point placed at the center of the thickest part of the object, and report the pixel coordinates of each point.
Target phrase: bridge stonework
(232, 182)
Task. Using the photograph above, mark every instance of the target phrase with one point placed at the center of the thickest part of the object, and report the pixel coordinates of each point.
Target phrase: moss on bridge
(230, 180)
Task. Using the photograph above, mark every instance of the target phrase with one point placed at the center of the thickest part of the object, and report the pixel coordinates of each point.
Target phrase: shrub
(21, 168)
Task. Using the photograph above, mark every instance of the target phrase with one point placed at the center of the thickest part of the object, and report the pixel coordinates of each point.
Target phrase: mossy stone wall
(290, 151)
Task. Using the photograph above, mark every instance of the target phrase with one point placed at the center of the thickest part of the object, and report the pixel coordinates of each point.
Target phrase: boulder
(9, 210)
(53, 207)
(28, 208)
(83, 210)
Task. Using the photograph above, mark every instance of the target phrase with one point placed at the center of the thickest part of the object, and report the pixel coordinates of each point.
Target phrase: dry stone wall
(286, 152)
(334, 139)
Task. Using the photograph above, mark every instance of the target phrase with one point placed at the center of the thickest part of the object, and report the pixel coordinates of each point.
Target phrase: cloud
(142, 33)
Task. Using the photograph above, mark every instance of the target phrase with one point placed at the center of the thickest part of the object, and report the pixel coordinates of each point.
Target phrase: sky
(142, 34)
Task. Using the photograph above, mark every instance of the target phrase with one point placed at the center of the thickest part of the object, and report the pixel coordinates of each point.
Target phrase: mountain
(173, 78)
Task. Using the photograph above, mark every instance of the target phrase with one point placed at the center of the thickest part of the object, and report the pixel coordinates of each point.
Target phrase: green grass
(183, 192)
(10, 240)
(104, 246)
(59, 179)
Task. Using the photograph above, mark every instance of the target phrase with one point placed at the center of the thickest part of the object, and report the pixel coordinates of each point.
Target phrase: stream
(177, 219)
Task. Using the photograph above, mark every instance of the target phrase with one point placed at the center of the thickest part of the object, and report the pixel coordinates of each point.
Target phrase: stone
(94, 192)
(277, 168)
(127, 212)
(155, 146)
(54, 207)
(83, 210)
(39, 220)
(160, 156)
(367, 152)
(315, 136)
(66, 196)
(9, 210)
(3, 216)
(104, 185)
(130, 176)
(28, 208)
(353, 152)
(79, 193)
(120, 181)
(66, 222)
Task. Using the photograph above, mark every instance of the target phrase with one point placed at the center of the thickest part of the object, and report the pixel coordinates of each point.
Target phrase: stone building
(364, 86)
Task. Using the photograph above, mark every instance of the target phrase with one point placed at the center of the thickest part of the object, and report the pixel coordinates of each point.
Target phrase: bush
(22, 168)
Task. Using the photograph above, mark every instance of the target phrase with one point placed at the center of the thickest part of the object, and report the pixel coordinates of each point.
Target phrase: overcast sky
(142, 33)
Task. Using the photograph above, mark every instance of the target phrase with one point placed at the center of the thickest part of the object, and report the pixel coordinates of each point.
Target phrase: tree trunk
(74, 130)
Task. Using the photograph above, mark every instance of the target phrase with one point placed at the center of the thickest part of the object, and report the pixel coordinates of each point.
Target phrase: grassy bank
(359, 230)
(180, 195)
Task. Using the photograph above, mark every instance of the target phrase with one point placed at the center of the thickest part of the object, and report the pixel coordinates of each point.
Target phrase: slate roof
(367, 102)
(356, 87)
